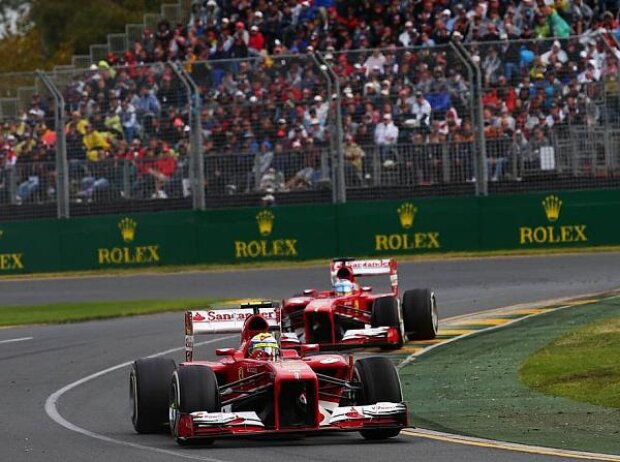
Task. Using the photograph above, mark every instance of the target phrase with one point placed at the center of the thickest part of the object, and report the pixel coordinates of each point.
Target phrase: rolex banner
(128, 241)
(411, 226)
(276, 233)
(550, 220)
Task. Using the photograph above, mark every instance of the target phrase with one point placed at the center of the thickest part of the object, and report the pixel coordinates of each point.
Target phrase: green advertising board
(550, 220)
(125, 241)
(302, 232)
(278, 233)
(407, 226)
(30, 246)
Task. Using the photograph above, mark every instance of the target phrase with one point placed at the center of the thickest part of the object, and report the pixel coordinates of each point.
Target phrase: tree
(50, 32)
(10, 10)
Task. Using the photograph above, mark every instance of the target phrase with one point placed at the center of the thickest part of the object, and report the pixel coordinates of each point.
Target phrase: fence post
(332, 134)
(480, 164)
(340, 186)
(62, 173)
(196, 160)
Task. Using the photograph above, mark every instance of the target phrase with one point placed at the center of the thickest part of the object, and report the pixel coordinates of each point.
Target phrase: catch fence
(475, 119)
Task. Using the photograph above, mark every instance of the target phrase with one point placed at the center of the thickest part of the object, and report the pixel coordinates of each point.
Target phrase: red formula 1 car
(245, 395)
(351, 315)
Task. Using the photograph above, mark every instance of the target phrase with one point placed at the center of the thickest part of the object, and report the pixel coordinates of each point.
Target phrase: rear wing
(227, 320)
(374, 267)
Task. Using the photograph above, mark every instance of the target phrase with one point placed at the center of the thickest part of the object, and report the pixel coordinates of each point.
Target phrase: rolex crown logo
(406, 214)
(552, 206)
(265, 222)
(128, 229)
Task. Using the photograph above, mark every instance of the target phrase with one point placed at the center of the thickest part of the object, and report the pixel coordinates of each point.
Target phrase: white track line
(52, 410)
(13, 340)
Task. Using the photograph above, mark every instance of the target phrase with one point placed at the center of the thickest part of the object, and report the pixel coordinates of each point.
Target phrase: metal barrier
(550, 109)
(406, 114)
(334, 126)
(268, 108)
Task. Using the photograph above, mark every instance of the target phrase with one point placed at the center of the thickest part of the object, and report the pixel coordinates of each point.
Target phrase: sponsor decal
(231, 315)
(553, 232)
(262, 248)
(408, 238)
(11, 261)
(128, 254)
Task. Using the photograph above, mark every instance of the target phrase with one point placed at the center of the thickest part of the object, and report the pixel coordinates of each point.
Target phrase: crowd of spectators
(268, 119)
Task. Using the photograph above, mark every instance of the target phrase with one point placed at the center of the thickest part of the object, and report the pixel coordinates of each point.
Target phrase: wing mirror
(224, 351)
(308, 348)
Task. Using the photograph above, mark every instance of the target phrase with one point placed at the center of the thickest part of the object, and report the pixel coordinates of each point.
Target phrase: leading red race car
(282, 390)
(352, 315)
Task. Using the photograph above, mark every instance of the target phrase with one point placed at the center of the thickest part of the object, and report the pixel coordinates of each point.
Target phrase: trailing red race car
(351, 315)
(263, 387)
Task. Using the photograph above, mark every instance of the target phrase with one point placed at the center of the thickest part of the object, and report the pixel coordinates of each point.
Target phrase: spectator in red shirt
(257, 41)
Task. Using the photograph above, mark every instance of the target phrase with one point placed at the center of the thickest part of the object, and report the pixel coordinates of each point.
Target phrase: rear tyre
(385, 314)
(420, 314)
(149, 380)
(193, 388)
(379, 382)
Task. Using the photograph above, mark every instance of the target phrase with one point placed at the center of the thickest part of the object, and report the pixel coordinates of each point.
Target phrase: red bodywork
(319, 386)
(324, 317)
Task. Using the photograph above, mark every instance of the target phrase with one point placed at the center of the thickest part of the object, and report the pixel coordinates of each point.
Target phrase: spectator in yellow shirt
(95, 143)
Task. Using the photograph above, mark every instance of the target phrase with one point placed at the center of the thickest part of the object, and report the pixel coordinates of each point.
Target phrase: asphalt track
(57, 356)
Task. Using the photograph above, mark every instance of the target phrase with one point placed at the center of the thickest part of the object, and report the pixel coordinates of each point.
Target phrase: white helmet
(344, 287)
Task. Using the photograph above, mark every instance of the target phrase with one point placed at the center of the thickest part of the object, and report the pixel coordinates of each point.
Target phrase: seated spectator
(96, 143)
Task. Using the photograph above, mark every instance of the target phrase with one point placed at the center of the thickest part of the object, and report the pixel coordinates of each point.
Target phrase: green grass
(59, 313)
(473, 386)
(582, 365)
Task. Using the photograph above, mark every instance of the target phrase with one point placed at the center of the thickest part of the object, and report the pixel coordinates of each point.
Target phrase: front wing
(389, 337)
(201, 424)
(385, 337)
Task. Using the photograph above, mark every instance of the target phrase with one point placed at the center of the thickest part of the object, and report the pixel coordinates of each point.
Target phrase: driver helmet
(264, 346)
(344, 287)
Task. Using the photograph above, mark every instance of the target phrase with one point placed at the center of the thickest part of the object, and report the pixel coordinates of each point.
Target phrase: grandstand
(306, 101)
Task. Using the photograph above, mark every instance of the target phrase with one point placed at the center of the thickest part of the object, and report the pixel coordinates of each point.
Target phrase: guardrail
(475, 119)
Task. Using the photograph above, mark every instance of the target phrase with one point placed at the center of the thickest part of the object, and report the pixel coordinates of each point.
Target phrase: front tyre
(385, 314)
(193, 388)
(379, 382)
(420, 314)
(148, 393)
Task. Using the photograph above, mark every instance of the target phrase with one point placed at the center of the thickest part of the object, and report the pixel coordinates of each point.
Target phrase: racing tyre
(385, 313)
(379, 383)
(193, 388)
(149, 380)
(420, 314)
